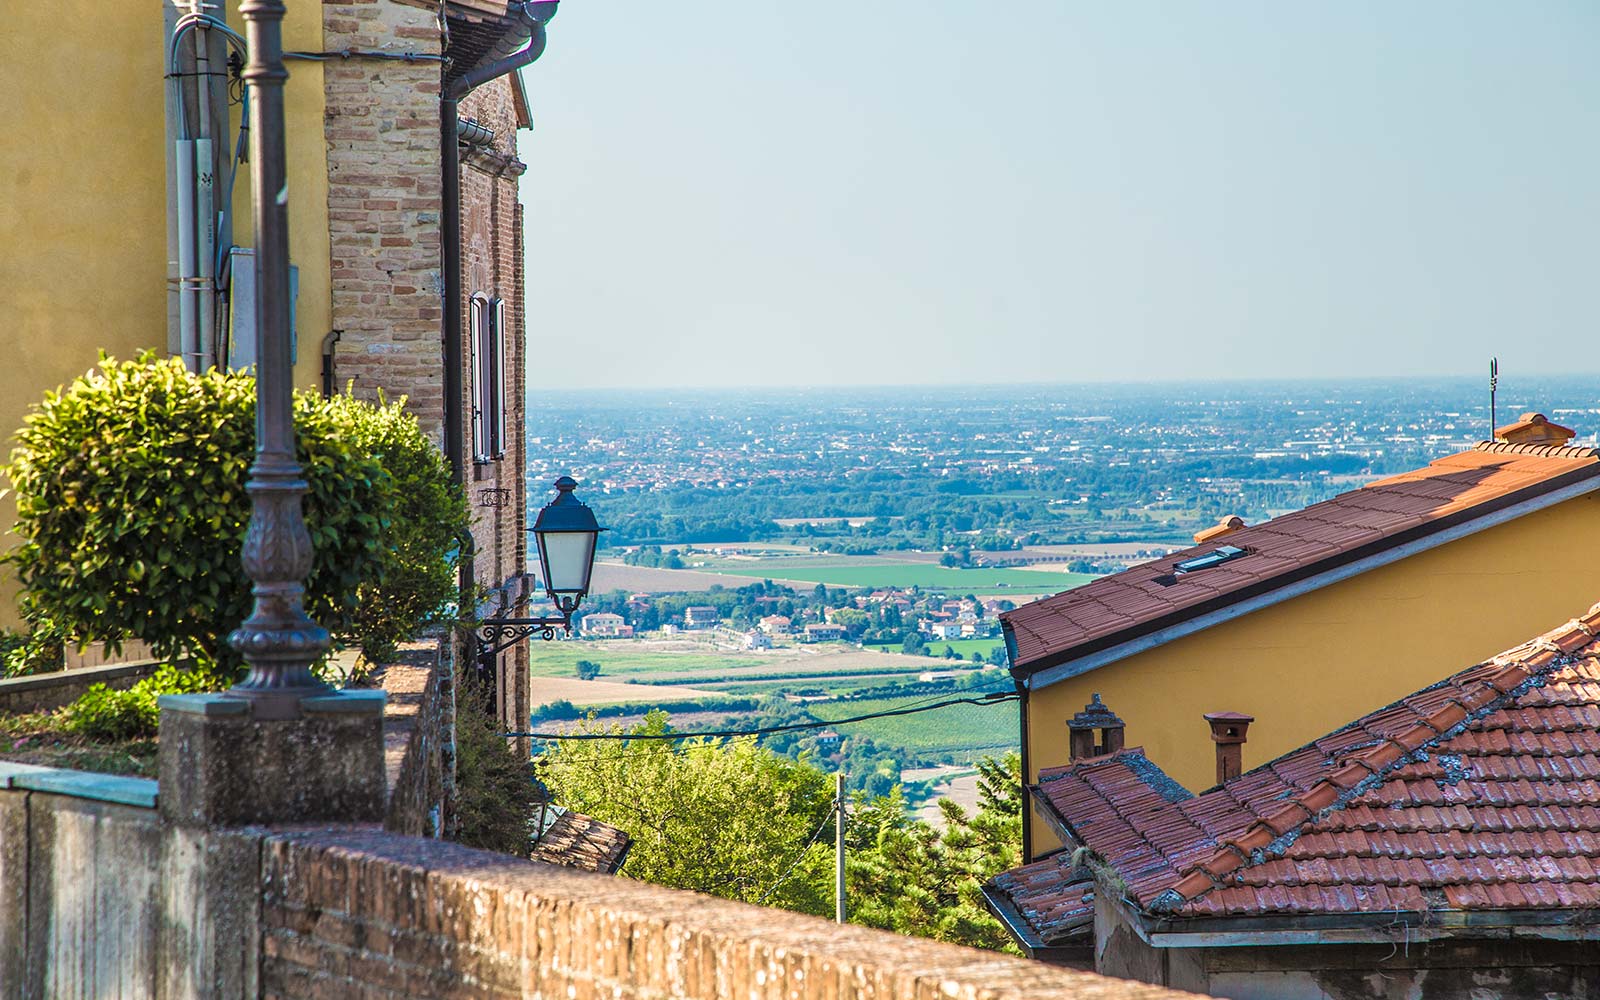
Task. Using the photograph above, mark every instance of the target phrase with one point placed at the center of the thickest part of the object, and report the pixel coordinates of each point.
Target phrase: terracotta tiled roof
(1055, 897)
(1365, 522)
(574, 840)
(1481, 792)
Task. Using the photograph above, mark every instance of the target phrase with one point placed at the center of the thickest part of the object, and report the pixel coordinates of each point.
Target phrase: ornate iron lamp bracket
(496, 635)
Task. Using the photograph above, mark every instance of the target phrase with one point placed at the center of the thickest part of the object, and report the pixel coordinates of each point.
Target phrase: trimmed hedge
(131, 512)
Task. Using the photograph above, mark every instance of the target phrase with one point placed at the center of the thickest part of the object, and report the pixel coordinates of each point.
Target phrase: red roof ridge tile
(1271, 834)
(1541, 450)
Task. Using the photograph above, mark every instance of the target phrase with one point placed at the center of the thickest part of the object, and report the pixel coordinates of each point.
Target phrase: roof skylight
(1215, 557)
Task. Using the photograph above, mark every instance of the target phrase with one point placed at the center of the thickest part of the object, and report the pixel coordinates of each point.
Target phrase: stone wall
(42, 692)
(100, 898)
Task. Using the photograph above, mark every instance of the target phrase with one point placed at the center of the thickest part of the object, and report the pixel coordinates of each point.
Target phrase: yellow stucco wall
(1315, 662)
(83, 201)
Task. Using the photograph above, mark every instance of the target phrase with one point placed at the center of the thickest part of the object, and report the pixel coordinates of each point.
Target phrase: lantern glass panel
(567, 557)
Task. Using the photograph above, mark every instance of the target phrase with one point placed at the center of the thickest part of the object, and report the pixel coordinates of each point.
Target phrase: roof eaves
(1382, 927)
(1073, 661)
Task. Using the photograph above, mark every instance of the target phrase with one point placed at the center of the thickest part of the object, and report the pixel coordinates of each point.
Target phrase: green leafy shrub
(131, 511)
(495, 798)
(417, 578)
(102, 713)
(36, 651)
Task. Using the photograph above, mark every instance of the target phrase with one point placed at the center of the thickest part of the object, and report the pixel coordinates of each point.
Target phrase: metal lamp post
(278, 640)
(565, 532)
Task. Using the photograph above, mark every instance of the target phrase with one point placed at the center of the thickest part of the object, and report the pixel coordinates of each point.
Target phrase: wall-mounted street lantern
(565, 532)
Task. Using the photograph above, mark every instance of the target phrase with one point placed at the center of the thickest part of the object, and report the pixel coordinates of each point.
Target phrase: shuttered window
(488, 364)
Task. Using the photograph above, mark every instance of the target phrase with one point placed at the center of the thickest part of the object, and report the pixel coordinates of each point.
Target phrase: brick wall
(385, 210)
(101, 898)
(382, 129)
(350, 913)
(491, 264)
(416, 732)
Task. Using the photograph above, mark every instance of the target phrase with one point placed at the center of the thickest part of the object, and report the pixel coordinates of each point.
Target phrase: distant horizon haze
(928, 193)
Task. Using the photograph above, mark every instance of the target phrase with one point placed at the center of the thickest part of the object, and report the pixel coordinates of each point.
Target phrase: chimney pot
(1081, 728)
(1228, 732)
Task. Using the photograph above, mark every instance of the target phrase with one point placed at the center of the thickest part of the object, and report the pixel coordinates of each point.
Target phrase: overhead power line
(995, 698)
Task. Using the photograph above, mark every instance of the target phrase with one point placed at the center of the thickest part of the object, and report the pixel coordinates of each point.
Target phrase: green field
(958, 727)
(842, 572)
(966, 731)
(965, 647)
(560, 659)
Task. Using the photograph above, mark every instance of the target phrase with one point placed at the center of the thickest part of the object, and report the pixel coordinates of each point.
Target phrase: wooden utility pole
(838, 847)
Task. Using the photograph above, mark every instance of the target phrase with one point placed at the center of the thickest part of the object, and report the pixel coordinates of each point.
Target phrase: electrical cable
(995, 698)
(833, 810)
(409, 57)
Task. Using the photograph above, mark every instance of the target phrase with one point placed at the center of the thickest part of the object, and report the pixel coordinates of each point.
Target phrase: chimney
(1080, 731)
(1226, 526)
(1227, 732)
(1534, 428)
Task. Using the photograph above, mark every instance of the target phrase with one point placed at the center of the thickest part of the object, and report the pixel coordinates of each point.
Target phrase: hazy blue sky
(736, 192)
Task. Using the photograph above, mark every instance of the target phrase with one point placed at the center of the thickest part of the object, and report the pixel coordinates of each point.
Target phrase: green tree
(588, 670)
(727, 818)
(914, 644)
(907, 876)
(855, 621)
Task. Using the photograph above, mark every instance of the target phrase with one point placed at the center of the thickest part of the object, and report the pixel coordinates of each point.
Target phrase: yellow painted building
(1308, 620)
(84, 199)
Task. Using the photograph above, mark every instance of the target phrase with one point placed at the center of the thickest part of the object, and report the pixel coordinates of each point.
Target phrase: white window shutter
(497, 399)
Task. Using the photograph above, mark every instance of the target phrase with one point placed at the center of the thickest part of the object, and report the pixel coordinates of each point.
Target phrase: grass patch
(966, 647)
(43, 739)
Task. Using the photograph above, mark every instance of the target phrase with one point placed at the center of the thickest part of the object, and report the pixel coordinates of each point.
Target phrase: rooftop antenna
(1494, 381)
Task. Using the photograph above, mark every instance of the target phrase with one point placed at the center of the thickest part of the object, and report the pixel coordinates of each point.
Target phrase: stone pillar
(221, 766)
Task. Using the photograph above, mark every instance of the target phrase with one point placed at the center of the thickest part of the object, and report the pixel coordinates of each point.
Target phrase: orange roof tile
(1291, 549)
(1480, 792)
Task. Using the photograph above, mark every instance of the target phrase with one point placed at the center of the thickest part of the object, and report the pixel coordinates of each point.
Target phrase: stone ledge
(203, 704)
(41, 692)
(141, 792)
(351, 702)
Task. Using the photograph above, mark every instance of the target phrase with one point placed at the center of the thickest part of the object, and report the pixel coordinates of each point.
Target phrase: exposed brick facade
(385, 211)
(384, 206)
(491, 265)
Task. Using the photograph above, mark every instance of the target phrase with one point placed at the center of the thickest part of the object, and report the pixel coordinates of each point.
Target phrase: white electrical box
(242, 339)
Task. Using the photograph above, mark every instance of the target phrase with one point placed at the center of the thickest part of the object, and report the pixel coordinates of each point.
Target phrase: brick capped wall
(354, 913)
(99, 897)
